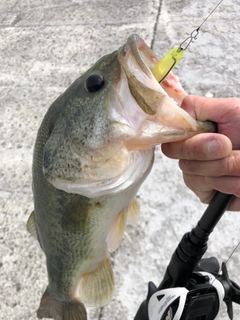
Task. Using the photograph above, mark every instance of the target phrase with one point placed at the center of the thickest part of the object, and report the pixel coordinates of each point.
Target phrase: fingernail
(214, 147)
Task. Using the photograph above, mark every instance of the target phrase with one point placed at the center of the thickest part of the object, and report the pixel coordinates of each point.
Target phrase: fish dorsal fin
(117, 230)
(133, 213)
(31, 228)
(97, 287)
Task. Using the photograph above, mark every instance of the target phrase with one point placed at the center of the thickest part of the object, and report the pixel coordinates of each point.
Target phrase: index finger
(219, 110)
(224, 111)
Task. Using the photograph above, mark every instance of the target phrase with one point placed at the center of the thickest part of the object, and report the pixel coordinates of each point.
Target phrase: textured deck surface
(44, 46)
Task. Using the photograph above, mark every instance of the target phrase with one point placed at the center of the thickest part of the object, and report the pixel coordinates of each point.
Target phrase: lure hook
(193, 36)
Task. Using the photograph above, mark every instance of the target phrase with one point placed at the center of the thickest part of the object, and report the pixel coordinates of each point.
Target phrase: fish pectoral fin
(97, 287)
(69, 310)
(133, 213)
(31, 228)
(127, 216)
(117, 230)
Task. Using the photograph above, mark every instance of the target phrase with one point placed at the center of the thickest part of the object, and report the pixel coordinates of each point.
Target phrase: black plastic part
(203, 307)
(183, 261)
(209, 265)
(232, 290)
(214, 211)
(235, 292)
(142, 313)
(194, 244)
(151, 290)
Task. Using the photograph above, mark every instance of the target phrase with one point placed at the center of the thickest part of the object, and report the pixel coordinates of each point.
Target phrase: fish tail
(97, 287)
(58, 310)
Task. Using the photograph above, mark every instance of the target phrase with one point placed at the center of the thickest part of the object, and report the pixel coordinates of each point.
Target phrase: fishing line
(230, 256)
(234, 250)
(195, 32)
(210, 14)
(174, 56)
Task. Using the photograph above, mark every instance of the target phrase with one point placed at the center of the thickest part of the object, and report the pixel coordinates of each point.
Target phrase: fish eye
(94, 82)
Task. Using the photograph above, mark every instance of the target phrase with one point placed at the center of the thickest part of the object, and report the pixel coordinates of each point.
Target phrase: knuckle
(187, 150)
(230, 165)
(188, 180)
(206, 197)
(186, 166)
(237, 188)
(194, 182)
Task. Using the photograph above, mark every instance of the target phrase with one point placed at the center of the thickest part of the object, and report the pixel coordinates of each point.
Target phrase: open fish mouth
(103, 142)
(161, 101)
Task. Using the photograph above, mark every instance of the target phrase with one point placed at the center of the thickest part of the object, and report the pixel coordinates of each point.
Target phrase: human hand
(211, 161)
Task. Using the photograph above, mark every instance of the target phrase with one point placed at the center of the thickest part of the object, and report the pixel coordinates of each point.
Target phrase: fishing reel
(199, 300)
(193, 288)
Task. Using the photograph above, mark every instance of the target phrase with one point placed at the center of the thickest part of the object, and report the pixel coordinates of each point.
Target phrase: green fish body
(93, 150)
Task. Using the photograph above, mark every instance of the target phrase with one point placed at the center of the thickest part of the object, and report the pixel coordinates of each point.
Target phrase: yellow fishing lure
(168, 62)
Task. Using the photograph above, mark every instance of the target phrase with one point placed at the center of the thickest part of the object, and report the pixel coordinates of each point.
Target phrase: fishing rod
(192, 288)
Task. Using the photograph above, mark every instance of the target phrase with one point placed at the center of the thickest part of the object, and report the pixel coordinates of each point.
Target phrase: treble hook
(193, 36)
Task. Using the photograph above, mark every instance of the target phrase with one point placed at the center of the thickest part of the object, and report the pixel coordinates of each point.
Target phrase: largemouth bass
(93, 150)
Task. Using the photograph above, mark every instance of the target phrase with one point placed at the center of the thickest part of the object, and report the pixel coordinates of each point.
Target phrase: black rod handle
(215, 210)
(193, 245)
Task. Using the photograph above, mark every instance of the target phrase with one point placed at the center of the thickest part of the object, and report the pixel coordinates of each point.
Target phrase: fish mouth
(160, 101)
(136, 49)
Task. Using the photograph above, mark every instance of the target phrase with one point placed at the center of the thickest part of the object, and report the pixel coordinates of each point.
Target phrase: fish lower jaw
(139, 167)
